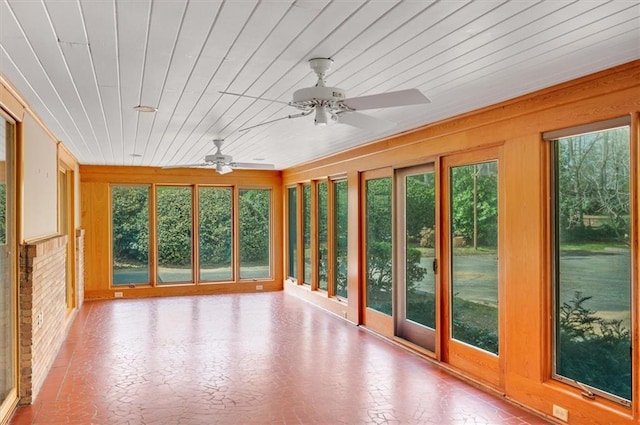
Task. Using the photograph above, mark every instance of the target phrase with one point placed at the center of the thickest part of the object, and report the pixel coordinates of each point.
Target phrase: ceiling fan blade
(387, 100)
(202, 164)
(301, 114)
(253, 97)
(365, 122)
(253, 165)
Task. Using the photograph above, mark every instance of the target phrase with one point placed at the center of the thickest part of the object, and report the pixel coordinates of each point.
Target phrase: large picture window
(592, 261)
(255, 233)
(379, 245)
(306, 232)
(292, 231)
(340, 230)
(323, 234)
(215, 218)
(174, 225)
(130, 234)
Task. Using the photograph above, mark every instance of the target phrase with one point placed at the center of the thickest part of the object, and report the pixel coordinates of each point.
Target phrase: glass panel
(306, 232)
(215, 233)
(322, 236)
(341, 233)
(293, 233)
(420, 238)
(255, 235)
(474, 250)
(7, 297)
(174, 224)
(379, 264)
(593, 260)
(130, 234)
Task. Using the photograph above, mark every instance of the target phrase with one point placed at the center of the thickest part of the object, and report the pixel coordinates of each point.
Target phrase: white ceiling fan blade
(202, 164)
(365, 122)
(253, 97)
(301, 114)
(253, 165)
(387, 100)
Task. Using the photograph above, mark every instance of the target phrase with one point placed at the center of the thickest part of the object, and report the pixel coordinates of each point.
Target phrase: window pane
(306, 231)
(322, 236)
(293, 233)
(174, 224)
(215, 233)
(420, 249)
(341, 236)
(379, 265)
(7, 285)
(130, 234)
(593, 260)
(255, 235)
(474, 255)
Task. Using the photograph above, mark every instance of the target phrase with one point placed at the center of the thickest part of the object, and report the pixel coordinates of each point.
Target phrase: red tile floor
(265, 358)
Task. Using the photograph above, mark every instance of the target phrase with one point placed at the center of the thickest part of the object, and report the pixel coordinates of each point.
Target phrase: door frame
(426, 338)
(479, 364)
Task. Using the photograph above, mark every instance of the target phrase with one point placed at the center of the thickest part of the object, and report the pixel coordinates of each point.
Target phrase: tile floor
(265, 358)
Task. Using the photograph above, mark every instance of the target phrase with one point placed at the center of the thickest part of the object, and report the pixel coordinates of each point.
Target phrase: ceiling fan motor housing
(309, 97)
(216, 158)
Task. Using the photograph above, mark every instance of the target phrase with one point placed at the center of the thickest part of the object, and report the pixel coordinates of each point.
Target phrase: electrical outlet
(344, 314)
(259, 287)
(560, 413)
(117, 294)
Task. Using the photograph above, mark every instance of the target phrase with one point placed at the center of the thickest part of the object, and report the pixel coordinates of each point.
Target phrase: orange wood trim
(331, 238)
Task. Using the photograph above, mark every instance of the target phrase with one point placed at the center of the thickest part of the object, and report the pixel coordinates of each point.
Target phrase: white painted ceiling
(84, 64)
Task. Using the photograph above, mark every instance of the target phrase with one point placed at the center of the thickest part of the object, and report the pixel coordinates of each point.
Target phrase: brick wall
(43, 321)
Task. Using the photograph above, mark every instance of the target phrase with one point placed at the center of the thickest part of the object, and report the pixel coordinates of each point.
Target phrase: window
(379, 247)
(306, 232)
(592, 259)
(255, 234)
(292, 225)
(130, 234)
(340, 229)
(474, 255)
(173, 234)
(215, 218)
(323, 234)
(8, 291)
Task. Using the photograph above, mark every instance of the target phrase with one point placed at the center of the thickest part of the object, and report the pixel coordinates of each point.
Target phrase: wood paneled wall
(516, 126)
(95, 207)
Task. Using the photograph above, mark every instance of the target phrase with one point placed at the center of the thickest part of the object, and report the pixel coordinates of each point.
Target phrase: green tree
(255, 207)
(174, 225)
(215, 227)
(130, 224)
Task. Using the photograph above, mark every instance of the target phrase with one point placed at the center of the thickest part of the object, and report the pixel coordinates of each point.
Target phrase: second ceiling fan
(331, 103)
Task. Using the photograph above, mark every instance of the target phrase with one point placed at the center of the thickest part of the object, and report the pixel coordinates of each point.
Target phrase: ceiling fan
(332, 103)
(224, 163)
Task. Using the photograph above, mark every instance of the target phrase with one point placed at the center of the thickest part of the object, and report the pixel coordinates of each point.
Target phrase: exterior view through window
(592, 259)
(474, 255)
(340, 228)
(255, 233)
(306, 232)
(292, 226)
(215, 220)
(7, 286)
(379, 246)
(419, 224)
(173, 232)
(323, 234)
(130, 234)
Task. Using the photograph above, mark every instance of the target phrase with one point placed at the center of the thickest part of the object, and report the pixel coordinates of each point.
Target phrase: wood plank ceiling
(84, 64)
